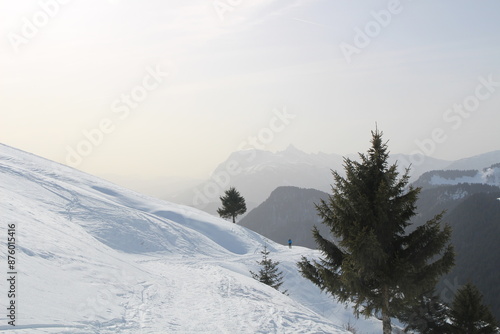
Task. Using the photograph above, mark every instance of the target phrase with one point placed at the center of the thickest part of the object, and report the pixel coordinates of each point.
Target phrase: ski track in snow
(93, 257)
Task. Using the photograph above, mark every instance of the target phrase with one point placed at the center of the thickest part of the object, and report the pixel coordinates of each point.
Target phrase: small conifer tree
(269, 273)
(469, 315)
(429, 316)
(233, 204)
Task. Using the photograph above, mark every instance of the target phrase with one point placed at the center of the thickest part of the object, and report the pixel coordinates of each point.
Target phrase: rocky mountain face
(288, 213)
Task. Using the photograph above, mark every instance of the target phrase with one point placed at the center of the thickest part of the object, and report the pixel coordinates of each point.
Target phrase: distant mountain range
(256, 173)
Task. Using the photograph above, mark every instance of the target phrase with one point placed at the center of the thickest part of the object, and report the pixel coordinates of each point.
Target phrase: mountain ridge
(256, 173)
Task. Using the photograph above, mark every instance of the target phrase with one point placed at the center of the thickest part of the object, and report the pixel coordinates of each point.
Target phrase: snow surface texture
(96, 258)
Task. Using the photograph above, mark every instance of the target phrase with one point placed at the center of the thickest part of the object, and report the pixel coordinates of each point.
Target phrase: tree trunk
(234, 219)
(386, 323)
(386, 319)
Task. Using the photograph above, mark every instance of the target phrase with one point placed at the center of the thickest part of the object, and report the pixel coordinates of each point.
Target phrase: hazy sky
(171, 88)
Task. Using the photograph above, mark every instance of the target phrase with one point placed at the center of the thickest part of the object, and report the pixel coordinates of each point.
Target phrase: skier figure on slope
(290, 243)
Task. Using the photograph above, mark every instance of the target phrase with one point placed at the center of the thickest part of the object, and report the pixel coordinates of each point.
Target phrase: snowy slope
(489, 175)
(96, 258)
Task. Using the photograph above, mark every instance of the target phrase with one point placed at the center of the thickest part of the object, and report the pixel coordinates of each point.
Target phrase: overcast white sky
(67, 67)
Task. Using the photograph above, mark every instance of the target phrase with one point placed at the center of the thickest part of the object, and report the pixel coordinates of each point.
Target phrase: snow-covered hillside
(92, 257)
(486, 176)
(489, 176)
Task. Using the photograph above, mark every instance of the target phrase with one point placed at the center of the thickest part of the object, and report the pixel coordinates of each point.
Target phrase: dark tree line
(465, 315)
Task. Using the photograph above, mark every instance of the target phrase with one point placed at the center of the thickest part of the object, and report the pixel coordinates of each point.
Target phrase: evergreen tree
(469, 315)
(430, 316)
(233, 204)
(269, 273)
(376, 265)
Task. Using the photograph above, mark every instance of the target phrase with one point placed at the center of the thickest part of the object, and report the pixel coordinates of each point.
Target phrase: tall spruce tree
(376, 265)
(269, 273)
(469, 315)
(233, 204)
